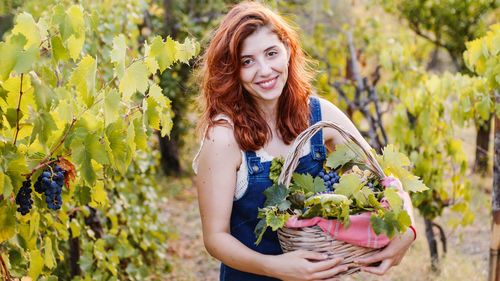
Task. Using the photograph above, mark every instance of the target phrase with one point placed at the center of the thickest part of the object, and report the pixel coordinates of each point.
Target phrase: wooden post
(494, 273)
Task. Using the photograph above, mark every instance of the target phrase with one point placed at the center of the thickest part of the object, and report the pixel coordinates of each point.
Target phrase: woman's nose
(265, 68)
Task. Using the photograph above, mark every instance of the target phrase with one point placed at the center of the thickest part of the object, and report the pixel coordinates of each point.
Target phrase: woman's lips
(268, 84)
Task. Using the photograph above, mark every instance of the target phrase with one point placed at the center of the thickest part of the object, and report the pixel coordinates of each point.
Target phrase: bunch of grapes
(330, 178)
(23, 198)
(50, 183)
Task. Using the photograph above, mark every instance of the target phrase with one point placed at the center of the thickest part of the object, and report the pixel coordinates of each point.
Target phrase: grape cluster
(23, 198)
(330, 178)
(50, 183)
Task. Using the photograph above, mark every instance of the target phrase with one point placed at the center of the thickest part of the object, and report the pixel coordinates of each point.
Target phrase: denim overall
(245, 209)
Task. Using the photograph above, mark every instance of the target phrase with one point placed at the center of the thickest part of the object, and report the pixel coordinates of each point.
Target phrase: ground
(466, 259)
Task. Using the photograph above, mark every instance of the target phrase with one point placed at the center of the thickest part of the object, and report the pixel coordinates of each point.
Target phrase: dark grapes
(330, 178)
(23, 198)
(50, 183)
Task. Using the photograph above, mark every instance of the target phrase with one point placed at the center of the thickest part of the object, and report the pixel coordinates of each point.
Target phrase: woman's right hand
(306, 265)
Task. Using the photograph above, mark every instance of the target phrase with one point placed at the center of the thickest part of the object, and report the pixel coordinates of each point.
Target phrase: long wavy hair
(223, 92)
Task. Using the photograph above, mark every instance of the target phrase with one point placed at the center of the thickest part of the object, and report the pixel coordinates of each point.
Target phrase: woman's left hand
(389, 256)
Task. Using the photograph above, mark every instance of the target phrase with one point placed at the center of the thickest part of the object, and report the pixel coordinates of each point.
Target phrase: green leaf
(7, 222)
(140, 135)
(99, 195)
(117, 149)
(483, 108)
(259, 230)
(111, 105)
(305, 182)
(82, 195)
(36, 264)
(135, 79)
(75, 228)
(348, 184)
(59, 52)
(340, 156)
(118, 54)
(163, 52)
(275, 194)
(83, 78)
(276, 221)
(186, 50)
(49, 259)
(43, 126)
(394, 200)
(75, 45)
(26, 25)
(86, 147)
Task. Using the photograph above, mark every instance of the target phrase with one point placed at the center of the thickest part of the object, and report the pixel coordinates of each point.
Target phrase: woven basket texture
(314, 238)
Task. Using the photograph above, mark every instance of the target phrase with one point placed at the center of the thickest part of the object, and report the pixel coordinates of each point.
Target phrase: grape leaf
(276, 221)
(49, 259)
(99, 195)
(118, 53)
(36, 264)
(349, 183)
(26, 25)
(59, 52)
(186, 50)
(305, 182)
(135, 79)
(117, 148)
(394, 200)
(84, 77)
(111, 105)
(75, 45)
(43, 126)
(140, 135)
(260, 229)
(7, 221)
(340, 156)
(163, 52)
(275, 194)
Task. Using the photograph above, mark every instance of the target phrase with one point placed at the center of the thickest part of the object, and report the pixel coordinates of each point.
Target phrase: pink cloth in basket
(359, 231)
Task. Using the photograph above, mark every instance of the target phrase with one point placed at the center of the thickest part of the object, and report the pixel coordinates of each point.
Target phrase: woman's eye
(272, 53)
(246, 62)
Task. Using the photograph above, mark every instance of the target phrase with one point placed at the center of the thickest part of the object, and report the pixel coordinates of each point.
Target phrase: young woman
(257, 99)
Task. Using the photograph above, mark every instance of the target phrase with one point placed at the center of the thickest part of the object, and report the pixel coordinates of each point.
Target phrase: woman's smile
(268, 84)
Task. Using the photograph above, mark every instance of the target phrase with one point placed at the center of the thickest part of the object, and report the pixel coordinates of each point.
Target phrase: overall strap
(318, 149)
(253, 163)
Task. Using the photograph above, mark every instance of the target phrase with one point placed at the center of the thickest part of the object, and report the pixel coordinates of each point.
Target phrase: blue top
(245, 209)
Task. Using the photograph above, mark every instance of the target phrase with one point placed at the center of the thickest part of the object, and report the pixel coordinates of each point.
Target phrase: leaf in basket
(284, 205)
(386, 225)
(391, 195)
(404, 221)
(308, 184)
(361, 196)
(412, 183)
(276, 221)
(348, 184)
(275, 194)
(259, 230)
(340, 156)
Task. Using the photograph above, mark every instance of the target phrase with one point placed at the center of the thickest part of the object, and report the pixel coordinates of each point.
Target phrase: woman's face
(264, 65)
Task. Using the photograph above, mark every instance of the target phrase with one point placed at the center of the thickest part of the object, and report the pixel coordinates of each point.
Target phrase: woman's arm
(395, 251)
(219, 160)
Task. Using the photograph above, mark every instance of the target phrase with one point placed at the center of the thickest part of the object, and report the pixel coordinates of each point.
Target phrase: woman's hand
(306, 265)
(389, 256)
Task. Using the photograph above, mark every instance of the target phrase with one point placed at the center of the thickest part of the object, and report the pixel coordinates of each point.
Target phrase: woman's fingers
(330, 272)
(309, 255)
(371, 259)
(379, 270)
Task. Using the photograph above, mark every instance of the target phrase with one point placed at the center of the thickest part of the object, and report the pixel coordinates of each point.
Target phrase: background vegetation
(105, 89)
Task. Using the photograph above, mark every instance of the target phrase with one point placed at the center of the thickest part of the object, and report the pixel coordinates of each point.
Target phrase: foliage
(357, 191)
(448, 24)
(73, 88)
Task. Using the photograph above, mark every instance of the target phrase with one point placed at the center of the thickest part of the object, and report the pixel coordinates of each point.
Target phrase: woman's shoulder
(330, 111)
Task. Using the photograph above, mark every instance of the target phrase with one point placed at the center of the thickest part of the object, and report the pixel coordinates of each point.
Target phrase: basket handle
(292, 159)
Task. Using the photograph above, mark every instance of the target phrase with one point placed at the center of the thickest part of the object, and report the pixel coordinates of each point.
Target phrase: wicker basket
(314, 238)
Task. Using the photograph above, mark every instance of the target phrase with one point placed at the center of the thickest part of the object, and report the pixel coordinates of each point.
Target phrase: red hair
(223, 92)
